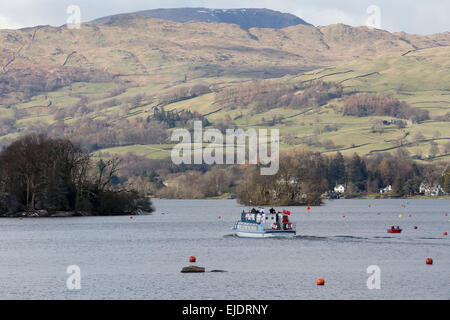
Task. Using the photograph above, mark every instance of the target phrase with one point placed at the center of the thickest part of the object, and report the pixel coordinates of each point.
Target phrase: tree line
(266, 95)
(41, 173)
(364, 105)
(304, 177)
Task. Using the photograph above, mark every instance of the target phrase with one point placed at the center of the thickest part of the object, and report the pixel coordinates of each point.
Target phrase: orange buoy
(410, 215)
(192, 259)
(320, 282)
(343, 216)
(429, 261)
(445, 233)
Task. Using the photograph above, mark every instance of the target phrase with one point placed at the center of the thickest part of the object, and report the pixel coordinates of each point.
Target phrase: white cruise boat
(264, 225)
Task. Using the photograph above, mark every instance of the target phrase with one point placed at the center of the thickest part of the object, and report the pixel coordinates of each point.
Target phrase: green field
(421, 83)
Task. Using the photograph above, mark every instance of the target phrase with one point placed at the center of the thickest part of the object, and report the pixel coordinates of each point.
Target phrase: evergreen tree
(336, 171)
(411, 186)
(446, 184)
(397, 186)
(358, 172)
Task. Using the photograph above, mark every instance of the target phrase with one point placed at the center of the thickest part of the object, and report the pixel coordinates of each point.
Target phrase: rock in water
(218, 271)
(193, 269)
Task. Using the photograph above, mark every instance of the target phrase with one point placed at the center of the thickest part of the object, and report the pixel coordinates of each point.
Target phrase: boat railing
(251, 221)
(291, 226)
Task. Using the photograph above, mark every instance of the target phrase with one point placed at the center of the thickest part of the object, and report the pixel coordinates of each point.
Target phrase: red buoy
(415, 227)
(20, 218)
(219, 217)
(343, 216)
(192, 259)
(309, 208)
(429, 261)
(320, 282)
(445, 233)
(131, 217)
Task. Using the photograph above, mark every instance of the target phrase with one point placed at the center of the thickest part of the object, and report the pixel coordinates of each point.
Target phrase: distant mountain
(245, 18)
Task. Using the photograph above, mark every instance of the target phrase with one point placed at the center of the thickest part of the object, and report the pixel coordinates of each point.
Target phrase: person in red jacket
(285, 221)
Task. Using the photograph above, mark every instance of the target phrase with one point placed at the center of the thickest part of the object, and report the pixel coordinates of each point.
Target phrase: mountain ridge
(246, 18)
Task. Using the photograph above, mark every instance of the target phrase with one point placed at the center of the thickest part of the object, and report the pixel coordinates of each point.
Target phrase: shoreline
(376, 196)
(71, 214)
(356, 197)
(66, 214)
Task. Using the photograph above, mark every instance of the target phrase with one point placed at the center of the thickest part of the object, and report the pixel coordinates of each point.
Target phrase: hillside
(105, 79)
(420, 78)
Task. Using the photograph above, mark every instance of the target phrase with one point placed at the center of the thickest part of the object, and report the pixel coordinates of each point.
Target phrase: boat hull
(257, 229)
(264, 234)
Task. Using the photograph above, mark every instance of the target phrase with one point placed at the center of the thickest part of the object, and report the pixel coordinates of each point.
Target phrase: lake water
(141, 258)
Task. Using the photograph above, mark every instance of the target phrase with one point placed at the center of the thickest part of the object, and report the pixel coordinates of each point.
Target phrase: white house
(339, 189)
(386, 190)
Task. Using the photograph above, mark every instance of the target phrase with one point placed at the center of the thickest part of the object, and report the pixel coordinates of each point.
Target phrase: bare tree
(106, 171)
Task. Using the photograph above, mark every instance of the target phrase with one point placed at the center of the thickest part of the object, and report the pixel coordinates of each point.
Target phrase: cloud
(324, 17)
(6, 23)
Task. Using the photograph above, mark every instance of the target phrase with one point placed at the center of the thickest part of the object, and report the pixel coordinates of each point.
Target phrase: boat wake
(333, 238)
(231, 235)
(375, 239)
(348, 238)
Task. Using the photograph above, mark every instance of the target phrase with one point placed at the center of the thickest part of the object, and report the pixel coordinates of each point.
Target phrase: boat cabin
(270, 220)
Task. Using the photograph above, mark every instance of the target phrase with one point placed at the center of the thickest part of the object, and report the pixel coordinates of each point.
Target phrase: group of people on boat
(259, 216)
(254, 215)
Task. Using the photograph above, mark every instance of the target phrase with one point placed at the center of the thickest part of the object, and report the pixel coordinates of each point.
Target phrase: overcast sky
(412, 16)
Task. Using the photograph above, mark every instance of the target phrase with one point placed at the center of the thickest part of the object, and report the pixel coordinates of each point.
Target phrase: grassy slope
(420, 78)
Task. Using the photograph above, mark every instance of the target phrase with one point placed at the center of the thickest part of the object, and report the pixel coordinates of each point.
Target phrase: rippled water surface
(141, 258)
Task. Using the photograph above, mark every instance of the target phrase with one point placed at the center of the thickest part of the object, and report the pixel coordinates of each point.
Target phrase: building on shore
(339, 189)
(386, 190)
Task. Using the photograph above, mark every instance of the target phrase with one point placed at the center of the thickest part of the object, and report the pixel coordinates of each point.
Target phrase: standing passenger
(285, 222)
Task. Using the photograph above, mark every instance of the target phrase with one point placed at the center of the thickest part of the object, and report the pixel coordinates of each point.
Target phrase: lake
(141, 258)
